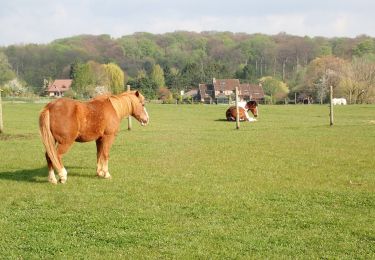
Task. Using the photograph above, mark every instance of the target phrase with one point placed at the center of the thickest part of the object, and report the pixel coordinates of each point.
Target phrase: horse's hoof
(52, 181)
(62, 181)
(107, 176)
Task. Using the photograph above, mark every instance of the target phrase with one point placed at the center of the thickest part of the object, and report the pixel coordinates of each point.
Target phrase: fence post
(129, 118)
(331, 106)
(1, 115)
(237, 111)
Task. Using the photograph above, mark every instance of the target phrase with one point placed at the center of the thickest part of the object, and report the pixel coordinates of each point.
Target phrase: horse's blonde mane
(123, 103)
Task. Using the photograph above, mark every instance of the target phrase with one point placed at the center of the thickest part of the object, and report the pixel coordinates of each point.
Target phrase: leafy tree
(101, 78)
(214, 70)
(165, 95)
(144, 84)
(82, 77)
(192, 74)
(343, 47)
(322, 72)
(275, 89)
(6, 72)
(116, 77)
(173, 79)
(365, 47)
(246, 73)
(358, 80)
(157, 75)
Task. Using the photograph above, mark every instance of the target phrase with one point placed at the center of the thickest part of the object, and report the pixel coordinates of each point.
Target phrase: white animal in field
(339, 101)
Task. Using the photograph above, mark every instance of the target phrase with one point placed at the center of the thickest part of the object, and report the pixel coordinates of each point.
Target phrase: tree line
(163, 64)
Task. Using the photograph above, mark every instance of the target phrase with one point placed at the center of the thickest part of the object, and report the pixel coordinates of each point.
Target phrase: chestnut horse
(244, 116)
(64, 121)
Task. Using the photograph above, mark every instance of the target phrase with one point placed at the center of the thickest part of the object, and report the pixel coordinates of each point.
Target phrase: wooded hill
(189, 58)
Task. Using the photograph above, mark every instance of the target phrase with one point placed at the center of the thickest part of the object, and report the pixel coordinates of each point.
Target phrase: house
(190, 96)
(223, 90)
(206, 93)
(59, 87)
(251, 92)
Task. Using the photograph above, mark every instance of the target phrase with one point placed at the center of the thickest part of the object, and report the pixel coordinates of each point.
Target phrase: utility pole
(237, 111)
(331, 106)
(1, 114)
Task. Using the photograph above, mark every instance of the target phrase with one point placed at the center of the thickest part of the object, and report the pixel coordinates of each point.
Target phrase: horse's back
(62, 105)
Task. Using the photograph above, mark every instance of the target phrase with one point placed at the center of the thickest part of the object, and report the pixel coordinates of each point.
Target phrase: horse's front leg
(247, 117)
(103, 155)
(99, 161)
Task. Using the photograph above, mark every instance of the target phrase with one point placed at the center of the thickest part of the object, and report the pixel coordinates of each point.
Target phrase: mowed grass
(191, 186)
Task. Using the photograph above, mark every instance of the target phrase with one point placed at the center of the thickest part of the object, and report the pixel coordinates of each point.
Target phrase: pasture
(191, 186)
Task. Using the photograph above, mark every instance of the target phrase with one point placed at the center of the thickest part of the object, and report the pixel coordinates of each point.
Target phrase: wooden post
(295, 98)
(237, 111)
(129, 118)
(1, 115)
(331, 106)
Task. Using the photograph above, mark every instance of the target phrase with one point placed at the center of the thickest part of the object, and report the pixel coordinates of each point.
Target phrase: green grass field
(191, 186)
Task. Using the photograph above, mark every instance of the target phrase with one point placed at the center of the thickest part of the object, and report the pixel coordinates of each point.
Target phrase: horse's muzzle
(144, 121)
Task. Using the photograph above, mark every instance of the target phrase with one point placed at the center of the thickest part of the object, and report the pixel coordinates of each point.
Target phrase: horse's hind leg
(51, 172)
(61, 149)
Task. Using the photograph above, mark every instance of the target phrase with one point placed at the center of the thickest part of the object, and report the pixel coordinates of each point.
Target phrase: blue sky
(41, 21)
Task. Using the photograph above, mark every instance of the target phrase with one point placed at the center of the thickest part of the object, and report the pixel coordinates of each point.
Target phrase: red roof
(60, 85)
(225, 84)
(251, 90)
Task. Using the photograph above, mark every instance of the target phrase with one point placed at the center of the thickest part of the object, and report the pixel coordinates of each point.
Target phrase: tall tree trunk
(265, 67)
(274, 67)
(297, 64)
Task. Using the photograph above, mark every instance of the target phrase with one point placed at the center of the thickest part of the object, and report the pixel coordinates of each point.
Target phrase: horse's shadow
(28, 175)
(38, 175)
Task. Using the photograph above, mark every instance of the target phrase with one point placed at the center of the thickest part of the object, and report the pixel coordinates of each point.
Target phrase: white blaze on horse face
(145, 122)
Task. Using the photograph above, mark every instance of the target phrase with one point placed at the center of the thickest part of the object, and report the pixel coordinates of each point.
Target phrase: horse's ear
(137, 93)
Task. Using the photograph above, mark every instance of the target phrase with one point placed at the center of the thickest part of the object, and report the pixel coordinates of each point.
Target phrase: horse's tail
(48, 139)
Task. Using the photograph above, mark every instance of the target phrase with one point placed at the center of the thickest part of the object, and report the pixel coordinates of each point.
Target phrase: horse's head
(139, 110)
(253, 107)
